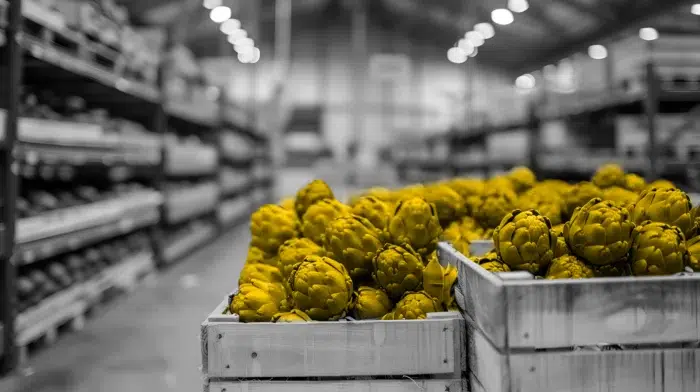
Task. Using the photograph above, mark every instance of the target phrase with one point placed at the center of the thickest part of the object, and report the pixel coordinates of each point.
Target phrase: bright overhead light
(695, 9)
(518, 5)
(485, 29)
(245, 57)
(648, 33)
(456, 55)
(474, 53)
(256, 56)
(525, 82)
(597, 52)
(237, 35)
(230, 26)
(245, 42)
(502, 16)
(220, 14)
(466, 46)
(475, 38)
(211, 4)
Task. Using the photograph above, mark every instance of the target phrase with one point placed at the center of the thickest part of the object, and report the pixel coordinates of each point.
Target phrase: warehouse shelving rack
(26, 55)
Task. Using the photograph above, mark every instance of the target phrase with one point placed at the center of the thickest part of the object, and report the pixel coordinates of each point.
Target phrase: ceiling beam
(600, 11)
(549, 23)
(632, 18)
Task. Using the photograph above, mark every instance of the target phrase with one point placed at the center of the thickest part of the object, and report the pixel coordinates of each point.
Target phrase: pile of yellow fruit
(316, 258)
(614, 225)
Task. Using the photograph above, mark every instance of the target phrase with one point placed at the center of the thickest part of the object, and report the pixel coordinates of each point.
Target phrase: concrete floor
(148, 340)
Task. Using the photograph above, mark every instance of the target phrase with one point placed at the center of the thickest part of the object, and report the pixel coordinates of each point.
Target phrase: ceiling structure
(547, 32)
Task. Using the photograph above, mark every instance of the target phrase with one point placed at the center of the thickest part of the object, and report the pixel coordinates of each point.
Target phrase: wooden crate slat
(407, 385)
(594, 311)
(482, 294)
(660, 370)
(564, 313)
(332, 348)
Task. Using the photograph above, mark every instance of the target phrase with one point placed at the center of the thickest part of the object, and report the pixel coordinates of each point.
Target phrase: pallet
(541, 335)
(72, 305)
(368, 355)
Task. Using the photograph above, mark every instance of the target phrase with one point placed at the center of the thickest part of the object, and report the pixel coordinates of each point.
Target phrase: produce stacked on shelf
(189, 156)
(41, 280)
(317, 258)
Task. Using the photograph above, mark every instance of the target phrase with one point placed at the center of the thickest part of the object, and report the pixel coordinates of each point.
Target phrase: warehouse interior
(139, 136)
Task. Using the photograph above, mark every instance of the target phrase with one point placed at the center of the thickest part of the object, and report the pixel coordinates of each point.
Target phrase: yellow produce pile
(316, 258)
(614, 225)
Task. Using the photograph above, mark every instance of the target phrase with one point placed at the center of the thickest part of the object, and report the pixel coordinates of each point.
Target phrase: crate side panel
(260, 350)
(482, 295)
(487, 367)
(594, 311)
(682, 370)
(407, 385)
(584, 371)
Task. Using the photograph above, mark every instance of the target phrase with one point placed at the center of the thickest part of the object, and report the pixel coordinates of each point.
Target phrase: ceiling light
(210, 4)
(526, 81)
(597, 52)
(245, 42)
(518, 5)
(245, 57)
(485, 29)
(466, 46)
(256, 56)
(648, 33)
(456, 55)
(474, 53)
(474, 38)
(220, 14)
(695, 9)
(230, 26)
(237, 35)
(502, 16)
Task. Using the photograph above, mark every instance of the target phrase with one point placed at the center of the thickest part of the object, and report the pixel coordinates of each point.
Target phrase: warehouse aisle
(147, 341)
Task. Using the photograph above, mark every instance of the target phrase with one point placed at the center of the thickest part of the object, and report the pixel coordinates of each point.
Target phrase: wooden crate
(542, 335)
(368, 355)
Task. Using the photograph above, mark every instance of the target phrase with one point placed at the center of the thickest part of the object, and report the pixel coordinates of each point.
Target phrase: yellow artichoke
(321, 287)
(547, 203)
(599, 232)
(609, 175)
(657, 249)
(258, 301)
(466, 187)
(501, 183)
(409, 192)
(310, 194)
(621, 196)
(261, 272)
(522, 179)
(493, 265)
(448, 203)
(374, 210)
(370, 303)
(562, 249)
(621, 268)
(288, 204)
(569, 267)
(661, 184)
(353, 241)
(294, 251)
(293, 316)
(414, 306)
(578, 195)
(449, 279)
(457, 238)
(667, 205)
(634, 183)
(398, 269)
(525, 241)
(415, 223)
(493, 205)
(257, 256)
(319, 216)
(693, 246)
(433, 275)
(695, 223)
(270, 226)
(557, 186)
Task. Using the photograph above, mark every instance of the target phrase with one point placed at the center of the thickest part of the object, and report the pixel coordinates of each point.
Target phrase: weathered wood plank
(332, 349)
(407, 385)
